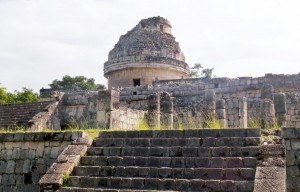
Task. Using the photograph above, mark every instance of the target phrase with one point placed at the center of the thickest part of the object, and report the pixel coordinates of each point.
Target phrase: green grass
(213, 123)
(66, 180)
(254, 123)
(259, 123)
(143, 125)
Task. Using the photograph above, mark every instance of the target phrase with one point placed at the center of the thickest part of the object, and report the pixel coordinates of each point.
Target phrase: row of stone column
(272, 107)
(160, 110)
(231, 112)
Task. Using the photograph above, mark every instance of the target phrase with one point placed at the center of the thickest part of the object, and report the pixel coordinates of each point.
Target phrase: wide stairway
(203, 160)
(19, 115)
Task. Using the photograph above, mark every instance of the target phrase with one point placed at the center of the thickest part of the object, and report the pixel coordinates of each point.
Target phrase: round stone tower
(146, 53)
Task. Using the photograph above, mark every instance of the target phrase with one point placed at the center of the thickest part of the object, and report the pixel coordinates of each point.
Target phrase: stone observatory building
(146, 53)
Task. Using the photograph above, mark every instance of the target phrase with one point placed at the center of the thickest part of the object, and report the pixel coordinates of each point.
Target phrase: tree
(3, 95)
(199, 71)
(77, 82)
(26, 95)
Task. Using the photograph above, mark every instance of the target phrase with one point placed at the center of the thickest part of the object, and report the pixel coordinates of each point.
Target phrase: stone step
(170, 142)
(251, 151)
(188, 133)
(165, 172)
(174, 162)
(161, 184)
(77, 189)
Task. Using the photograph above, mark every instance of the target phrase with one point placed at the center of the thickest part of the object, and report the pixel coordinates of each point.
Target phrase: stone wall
(30, 116)
(88, 109)
(126, 119)
(271, 100)
(281, 83)
(224, 87)
(25, 157)
(293, 110)
(291, 138)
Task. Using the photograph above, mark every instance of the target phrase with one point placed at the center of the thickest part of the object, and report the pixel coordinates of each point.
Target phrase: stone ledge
(41, 136)
(64, 164)
(290, 133)
(187, 133)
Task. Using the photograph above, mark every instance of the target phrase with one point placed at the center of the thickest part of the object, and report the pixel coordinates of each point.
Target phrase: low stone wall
(293, 112)
(25, 157)
(291, 138)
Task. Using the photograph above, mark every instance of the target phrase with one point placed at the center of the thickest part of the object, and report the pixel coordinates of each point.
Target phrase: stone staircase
(19, 115)
(203, 160)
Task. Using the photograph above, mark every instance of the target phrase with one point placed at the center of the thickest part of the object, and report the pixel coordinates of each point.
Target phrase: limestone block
(7, 154)
(290, 133)
(291, 111)
(295, 143)
(6, 137)
(267, 92)
(280, 103)
(101, 116)
(61, 168)
(51, 179)
(10, 168)
(19, 166)
(3, 165)
(295, 118)
(54, 152)
(30, 153)
(288, 144)
(221, 113)
(27, 166)
(292, 171)
(290, 158)
(16, 153)
(18, 136)
(8, 145)
(40, 149)
(209, 95)
(293, 184)
(8, 180)
(220, 104)
(16, 144)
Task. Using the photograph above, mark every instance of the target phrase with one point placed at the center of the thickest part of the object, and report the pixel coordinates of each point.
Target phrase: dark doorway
(161, 28)
(136, 82)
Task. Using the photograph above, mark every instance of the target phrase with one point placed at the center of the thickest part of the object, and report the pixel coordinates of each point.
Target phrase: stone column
(166, 110)
(237, 112)
(267, 109)
(243, 120)
(209, 104)
(154, 110)
(108, 102)
(280, 108)
(267, 92)
(221, 112)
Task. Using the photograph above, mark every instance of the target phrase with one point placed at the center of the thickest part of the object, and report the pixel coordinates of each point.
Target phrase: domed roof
(150, 41)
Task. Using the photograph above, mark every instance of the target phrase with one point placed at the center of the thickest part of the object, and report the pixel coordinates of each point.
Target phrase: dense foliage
(77, 82)
(198, 71)
(26, 95)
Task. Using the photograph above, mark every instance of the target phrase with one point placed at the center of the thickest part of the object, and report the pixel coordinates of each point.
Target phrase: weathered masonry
(149, 88)
(147, 52)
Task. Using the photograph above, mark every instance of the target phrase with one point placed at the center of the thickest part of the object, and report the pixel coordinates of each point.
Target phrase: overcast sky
(43, 40)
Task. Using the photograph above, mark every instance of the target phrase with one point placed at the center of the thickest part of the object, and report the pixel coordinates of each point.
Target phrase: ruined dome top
(150, 41)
